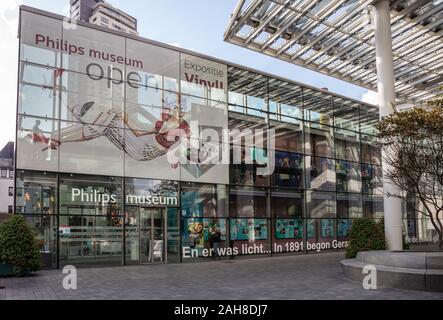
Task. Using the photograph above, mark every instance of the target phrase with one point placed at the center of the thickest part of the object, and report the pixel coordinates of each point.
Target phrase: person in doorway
(146, 243)
(216, 241)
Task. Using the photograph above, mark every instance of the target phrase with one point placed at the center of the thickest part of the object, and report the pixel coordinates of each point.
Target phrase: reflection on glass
(288, 170)
(36, 193)
(249, 229)
(45, 229)
(320, 234)
(370, 152)
(347, 146)
(203, 232)
(285, 101)
(372, 179)
(288, 229)
(320, 204)
(320, 173)
(249, 90)
(159, 73)
(90, 149)
(90, 195)
(349, 205)
(348, 176)
(288, 137)
(106, 50)
(319, 140)
(369, 117)
(373, 207)
(318, 107)
(286, 204)
(343, 228)
(203, 200)
(247, 171)
(346, 114)
(91, 240)
(247, 202)
(41, 50)
(37, 142)
(247, 130)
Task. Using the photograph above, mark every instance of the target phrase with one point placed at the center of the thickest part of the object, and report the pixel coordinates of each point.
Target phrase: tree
(365, 235)
(18, 246)
(413, 144)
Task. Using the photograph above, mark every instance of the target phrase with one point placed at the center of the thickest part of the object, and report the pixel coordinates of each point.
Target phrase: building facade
(101, 13)
(131, 151)
(7, 179)
(82, 9)
(108, 16)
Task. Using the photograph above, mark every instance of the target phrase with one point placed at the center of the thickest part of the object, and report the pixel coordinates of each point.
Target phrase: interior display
(327, 228)
(249, 229)
(289, 229)
(343, 227)
(288, 169)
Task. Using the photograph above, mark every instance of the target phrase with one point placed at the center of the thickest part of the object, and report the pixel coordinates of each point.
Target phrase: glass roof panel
(337, 39)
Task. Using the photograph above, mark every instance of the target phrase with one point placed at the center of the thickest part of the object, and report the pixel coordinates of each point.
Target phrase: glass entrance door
(152, 235)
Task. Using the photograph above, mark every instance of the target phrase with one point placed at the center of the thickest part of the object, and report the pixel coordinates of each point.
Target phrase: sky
(196, 25)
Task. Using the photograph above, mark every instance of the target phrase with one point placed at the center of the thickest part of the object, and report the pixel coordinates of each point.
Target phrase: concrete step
(396, 277)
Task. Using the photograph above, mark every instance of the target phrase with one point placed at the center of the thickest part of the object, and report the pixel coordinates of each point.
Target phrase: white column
(386, 96)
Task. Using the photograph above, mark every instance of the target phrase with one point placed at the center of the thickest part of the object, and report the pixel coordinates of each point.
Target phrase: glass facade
(95, 112)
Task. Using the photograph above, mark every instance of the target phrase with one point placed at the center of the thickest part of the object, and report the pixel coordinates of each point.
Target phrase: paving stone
(313, 276)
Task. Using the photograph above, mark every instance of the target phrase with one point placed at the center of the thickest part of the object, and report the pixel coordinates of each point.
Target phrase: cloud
(370, 97)
(9, 11)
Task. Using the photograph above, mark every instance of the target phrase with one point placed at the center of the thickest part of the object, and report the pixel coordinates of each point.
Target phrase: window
(320, 173)
(203, 200)
(198, 233)
(31, 24)
(36, 193)
(373, 207)
(286, 204)
(10, 209)
(348, 176)
(78, 196)
(288, 170)
(11, 173)
(319, 140)
(318, 107)
(11, 191)
(349, 205)
(31, 130)
(372, 179)
(100, 240)
(288, 137)
(283, 106)
(347, 145)
(3, 173)
(248, 171)
(247, 203)
(245, 99)
(320, 204)
(346, 114)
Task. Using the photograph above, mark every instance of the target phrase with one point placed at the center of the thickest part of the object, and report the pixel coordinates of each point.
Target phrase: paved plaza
(313, 276)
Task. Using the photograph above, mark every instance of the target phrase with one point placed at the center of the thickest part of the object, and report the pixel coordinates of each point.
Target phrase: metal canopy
(336, 38)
